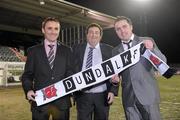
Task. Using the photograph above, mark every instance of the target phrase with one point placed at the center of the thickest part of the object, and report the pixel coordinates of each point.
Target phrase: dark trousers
(43, 113)
(92, 105)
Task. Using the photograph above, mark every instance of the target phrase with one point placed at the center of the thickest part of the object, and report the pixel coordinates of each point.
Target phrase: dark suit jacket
(38, 74)
(138, 81)
(78, 56)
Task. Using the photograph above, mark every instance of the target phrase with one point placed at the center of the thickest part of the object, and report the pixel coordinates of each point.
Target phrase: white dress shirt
(125, 45)
(97, 58)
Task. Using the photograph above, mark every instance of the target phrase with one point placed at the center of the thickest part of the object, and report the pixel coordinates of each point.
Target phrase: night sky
(159, 19)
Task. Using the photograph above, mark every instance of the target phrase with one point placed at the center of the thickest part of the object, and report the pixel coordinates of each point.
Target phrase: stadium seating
(8, 54)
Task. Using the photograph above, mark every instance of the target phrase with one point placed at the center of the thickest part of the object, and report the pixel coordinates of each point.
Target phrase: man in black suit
(47, 63)
(93, 101)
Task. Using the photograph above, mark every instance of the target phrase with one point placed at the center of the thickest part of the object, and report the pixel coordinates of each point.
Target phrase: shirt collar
(97, 46)
(49, 43)
(131, 38)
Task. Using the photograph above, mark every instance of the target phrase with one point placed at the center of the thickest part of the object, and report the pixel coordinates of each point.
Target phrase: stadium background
(20, 26)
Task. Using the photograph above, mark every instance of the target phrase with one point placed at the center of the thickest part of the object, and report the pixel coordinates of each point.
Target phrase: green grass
(13, 105)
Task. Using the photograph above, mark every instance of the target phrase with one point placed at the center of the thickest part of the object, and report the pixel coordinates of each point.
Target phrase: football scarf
(100, 73)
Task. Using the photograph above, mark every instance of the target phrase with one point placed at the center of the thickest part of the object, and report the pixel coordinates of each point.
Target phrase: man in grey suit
(93, 102)
(140, 93)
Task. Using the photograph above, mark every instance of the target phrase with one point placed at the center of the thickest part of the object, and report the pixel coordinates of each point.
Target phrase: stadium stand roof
(25, 16)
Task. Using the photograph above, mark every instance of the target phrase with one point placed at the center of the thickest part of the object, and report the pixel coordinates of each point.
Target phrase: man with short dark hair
(47, 63)
(93, 102)
(140, 93)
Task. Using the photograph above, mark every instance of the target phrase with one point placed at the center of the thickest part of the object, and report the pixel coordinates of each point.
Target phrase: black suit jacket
(78, 56)
(38, 74)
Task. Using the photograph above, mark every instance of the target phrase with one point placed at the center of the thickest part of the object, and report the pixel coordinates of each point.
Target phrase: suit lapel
(44, 56)
(58, 56)
(103, 51)
(121, 48)
(135, 41)
(82, 51)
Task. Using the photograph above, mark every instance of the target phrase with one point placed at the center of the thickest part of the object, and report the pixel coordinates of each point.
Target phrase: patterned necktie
(51, 56)
(89, 64)
(128, 43)
(89, 57)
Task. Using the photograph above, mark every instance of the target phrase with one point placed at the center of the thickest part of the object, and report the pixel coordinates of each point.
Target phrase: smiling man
(47, 63)
(93, 102)
(140, 93)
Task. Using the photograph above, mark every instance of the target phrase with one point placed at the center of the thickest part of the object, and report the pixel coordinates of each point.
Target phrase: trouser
(44, 114)
(92, 105)
(142, 112)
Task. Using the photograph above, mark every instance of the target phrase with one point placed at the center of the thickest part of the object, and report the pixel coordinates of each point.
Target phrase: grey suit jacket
(138, 81)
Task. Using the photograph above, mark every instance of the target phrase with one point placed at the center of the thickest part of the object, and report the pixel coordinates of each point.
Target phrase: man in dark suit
(140, 93)
(93, 101)
(47, 63)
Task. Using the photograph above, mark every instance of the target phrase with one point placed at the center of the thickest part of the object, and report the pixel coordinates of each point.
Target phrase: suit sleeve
(28, 75)
(155, 50)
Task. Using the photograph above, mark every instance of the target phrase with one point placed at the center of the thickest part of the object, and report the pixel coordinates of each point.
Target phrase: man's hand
(148, 44)
(115, 79)
(110, 98)
(31, 95)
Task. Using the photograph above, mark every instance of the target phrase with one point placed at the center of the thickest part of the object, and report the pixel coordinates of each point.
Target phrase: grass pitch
(13, 105)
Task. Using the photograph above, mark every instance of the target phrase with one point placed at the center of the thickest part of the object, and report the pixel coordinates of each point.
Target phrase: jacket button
(52, 78)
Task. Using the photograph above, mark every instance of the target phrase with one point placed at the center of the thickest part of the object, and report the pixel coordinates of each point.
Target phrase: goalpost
(10, 73)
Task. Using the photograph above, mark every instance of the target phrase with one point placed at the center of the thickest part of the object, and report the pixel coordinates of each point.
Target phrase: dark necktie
(89, 57)
(128, 43)
(51, 56)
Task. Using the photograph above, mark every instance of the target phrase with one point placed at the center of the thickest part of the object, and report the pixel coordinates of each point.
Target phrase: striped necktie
(89, 64)
(89, 58)
(51, 56)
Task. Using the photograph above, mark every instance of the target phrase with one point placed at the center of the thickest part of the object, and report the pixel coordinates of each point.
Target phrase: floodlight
(41, 2)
